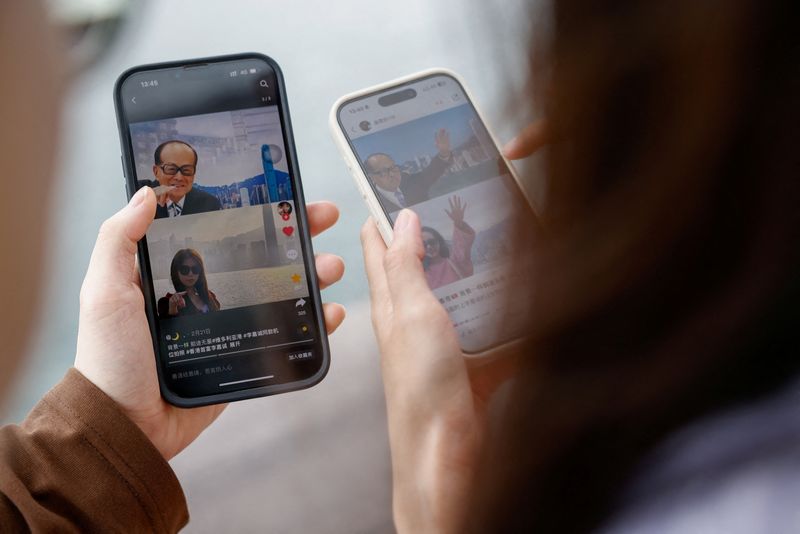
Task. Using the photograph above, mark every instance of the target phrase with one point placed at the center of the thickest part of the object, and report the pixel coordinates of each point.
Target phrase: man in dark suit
(174, 168)
(397, 189)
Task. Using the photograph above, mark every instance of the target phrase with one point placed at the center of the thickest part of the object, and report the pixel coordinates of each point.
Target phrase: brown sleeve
(78, 464)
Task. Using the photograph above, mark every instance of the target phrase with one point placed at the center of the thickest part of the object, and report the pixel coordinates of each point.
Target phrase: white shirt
(171, 204)
(391, 196)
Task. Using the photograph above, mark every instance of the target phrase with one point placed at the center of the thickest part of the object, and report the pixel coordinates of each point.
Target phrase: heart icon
(288, 230)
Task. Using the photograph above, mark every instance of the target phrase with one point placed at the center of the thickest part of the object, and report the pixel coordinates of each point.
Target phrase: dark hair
(376, 154)
(202, 285)
(668, 284)
(284, 203)
(444, 250)
(160, 148)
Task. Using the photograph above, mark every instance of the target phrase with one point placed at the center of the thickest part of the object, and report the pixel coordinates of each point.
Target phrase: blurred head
(30, 106)
(435, 245)
(384, 171)
(284, 208)
(187, 273)
(664, 286)
(175, 165)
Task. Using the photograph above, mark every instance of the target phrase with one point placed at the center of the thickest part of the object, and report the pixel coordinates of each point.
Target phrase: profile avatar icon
(284, 210)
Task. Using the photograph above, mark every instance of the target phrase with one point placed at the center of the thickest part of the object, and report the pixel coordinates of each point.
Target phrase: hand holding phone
(229, 287)
(436, 398)
(115, 348)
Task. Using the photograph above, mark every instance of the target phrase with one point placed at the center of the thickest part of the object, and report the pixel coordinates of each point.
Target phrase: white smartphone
(419, 142)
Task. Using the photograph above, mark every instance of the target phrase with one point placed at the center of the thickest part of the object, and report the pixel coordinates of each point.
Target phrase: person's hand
(442, 140)
(176, 302)
(530, 139)
(456, 212)
(162, 194)
(175, 195)
(115, 350)
(436, 404)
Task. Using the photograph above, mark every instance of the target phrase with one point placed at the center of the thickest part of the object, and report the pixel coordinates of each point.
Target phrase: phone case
(366, 191)
(128, 167)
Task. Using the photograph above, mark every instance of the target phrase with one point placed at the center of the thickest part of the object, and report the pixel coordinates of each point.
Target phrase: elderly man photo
(175, 166)
(397, 189)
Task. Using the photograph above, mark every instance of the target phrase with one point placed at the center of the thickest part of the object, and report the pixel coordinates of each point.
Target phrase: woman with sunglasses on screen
(444, 265)
(192, 295)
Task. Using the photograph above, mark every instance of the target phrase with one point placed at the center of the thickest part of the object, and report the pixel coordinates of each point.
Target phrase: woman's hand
(442, 140)
(435, 403)
(456, 212)
(176, 302)
(530, 139)
(115, 350)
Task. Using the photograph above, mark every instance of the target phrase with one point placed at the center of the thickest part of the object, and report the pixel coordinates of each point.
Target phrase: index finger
(531, 138)
(321, 216)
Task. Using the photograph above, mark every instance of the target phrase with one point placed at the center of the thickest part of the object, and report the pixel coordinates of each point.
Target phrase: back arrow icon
(133, 99)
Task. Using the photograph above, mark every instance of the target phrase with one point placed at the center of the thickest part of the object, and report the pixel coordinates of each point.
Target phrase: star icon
(296, 278)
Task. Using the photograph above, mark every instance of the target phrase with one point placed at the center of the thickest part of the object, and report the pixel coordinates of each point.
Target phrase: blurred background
(315, 460)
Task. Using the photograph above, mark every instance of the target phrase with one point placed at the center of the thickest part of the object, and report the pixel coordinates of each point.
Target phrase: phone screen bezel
(321, 344)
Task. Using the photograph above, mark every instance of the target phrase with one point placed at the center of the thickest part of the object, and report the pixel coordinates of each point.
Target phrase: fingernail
(401, 223)
(138, 198)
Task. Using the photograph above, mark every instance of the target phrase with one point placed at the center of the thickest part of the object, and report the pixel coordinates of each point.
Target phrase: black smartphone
(227, 266)
(420, 142)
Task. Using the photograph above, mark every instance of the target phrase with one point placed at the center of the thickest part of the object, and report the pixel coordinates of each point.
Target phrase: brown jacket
(78, 464)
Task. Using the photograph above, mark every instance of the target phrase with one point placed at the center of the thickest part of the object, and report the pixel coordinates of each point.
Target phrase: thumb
(405, 276)
(112, 260)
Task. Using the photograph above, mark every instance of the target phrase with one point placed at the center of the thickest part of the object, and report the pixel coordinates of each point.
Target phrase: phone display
(421, 144)
(227, 265)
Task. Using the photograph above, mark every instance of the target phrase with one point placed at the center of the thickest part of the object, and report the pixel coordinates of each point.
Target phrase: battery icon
(252, 71)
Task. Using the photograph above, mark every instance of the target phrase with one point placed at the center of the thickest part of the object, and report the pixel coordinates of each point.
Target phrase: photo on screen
(429, 157)
(228, 259)
(212, 162)
(469, 231)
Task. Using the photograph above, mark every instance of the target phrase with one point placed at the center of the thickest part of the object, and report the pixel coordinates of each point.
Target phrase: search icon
(263, 83)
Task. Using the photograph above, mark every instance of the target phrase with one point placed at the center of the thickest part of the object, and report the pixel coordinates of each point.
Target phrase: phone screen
(233, 302)
(423, 146)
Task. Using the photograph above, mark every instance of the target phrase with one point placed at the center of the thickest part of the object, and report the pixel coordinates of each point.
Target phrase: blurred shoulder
(737, 472)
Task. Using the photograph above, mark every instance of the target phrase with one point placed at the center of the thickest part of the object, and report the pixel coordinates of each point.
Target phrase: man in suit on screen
(397, 189)
(175, 165)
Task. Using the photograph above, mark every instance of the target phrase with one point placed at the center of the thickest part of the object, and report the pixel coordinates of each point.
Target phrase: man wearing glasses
(174, 168)
(398, 189)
